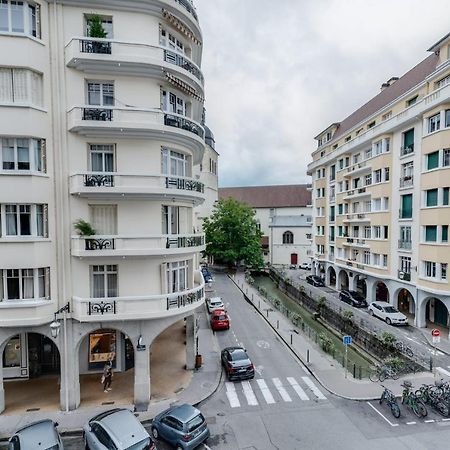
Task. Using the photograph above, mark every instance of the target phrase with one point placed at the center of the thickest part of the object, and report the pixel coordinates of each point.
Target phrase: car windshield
(142, 445)
(221, 317)
(357, 296)
(195, 423)
(390, 309)
(53, 447)
(238, 355)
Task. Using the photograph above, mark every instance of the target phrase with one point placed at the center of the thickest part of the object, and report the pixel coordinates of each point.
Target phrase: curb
(359, 399)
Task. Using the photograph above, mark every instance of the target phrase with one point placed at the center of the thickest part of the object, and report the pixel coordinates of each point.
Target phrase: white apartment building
(284, 217)
(381, 194)
(108, 130)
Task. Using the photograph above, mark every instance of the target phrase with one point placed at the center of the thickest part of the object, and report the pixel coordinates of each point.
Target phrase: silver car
(116, 429)
(41, 435)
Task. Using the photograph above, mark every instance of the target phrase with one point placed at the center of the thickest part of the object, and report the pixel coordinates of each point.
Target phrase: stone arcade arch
(343, 280)
(437, 311)
(331, 276)
(405, 302)
(380, 292)
(360, 285)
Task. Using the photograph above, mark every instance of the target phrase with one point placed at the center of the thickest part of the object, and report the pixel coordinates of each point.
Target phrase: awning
(180, 84)
(179, 25)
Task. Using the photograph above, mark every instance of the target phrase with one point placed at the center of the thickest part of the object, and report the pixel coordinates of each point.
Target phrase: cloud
(277, 73)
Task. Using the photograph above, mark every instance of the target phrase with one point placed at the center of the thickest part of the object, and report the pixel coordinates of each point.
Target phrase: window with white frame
(100, 93)
(378, 147)
(368, 180)
(446, 157)
(377, 176)
(444, 267)
(429, 269)
(25, 284)
(213, 166)
(20, 17)
(376, 204)
(104, 281)
(22, 155)
(377, 232)
(386, 173)
(366, 257)
(21, 87)
(434, 123)
(107, 24)
(367, 206)
(177, 276)
(443, 82)
(376, 259)
(23, 220)
(174, 103)
(169, 40)
(101, 157)
(385, 260)
(175, 163)
(405, 264)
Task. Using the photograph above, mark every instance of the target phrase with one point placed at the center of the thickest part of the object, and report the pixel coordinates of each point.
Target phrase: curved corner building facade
(381, 181)
(107, 130)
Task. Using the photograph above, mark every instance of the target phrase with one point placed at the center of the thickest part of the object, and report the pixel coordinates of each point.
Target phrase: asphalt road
(284, 407)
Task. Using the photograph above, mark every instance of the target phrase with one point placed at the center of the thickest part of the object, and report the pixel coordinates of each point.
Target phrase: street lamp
(55, 327)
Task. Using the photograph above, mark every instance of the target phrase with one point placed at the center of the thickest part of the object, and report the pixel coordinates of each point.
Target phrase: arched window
(288, 237)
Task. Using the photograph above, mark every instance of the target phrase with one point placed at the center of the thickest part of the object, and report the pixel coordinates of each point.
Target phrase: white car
(214, 303)
(305, 266)
(388, 313)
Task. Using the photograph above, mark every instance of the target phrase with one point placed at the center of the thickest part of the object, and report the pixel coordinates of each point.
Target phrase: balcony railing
(405, 276)
(406, 150)
(185, 184)
(404, 245)
(99, 114)
(406, 181)
(177, 121)
(94, 46)
(405, 214)
(181, 61)
(100, 244)
(188, 5)
(184, 242)
(97, 180)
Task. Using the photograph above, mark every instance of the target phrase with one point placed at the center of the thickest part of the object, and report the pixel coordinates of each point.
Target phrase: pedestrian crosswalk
(270, 391)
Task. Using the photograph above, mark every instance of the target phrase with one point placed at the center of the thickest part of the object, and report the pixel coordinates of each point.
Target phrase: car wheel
(155, 432)
(388, 321)
(370, 312)
(86, 445)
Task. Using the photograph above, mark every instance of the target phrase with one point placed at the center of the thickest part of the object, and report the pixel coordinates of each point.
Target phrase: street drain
(33, 409)
(107, 403)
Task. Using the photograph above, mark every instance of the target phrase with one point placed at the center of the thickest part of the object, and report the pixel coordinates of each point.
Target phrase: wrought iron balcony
(95, 46)
(406, 150)
(181, 61)
(404, 245)
(407, 181)
(184, 184)
(97, 180)
(99, 244)
(185, 241)
(99, 114)
(188, 5)
(177, 121)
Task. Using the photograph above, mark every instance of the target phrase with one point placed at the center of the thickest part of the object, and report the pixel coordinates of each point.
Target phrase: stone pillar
(2, 389)
(420, 318)
(142, 378)
(191, 337)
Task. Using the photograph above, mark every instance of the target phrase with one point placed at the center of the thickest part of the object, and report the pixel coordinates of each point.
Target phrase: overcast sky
(280, 71)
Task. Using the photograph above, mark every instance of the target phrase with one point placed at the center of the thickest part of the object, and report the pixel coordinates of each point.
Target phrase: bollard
(246, 291)
(307, 356)
(278, 324)
(252, 296)
(259, 304)
(267, 313)
(354, 370)
(291, 338)
(360, 373)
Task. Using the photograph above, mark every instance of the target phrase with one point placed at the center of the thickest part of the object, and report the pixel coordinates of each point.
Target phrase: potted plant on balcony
(84, 228)
(96, 30)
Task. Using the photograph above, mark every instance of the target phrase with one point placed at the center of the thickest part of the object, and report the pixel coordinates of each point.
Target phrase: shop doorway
(294, 258)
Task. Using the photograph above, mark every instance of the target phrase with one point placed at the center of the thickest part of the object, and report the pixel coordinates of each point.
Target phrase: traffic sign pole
(435, 333)
(346, 347)
(346, 340)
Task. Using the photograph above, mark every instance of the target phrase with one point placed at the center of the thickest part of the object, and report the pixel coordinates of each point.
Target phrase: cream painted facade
(380, 194)
(109, 131)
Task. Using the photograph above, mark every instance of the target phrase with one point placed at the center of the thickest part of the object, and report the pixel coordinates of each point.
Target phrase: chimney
(388, 83)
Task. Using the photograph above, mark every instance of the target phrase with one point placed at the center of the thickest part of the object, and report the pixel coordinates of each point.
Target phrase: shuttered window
(406, 210)
(432, 197)
(431, 233)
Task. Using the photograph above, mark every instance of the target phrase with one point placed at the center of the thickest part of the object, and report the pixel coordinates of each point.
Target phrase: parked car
(207, 275)
(315, 280)
(214, 303)
(388, 313)
(353, 298)
(182, 426)
(37, 435)
(305, 266)
(237, 364)
(220, 320)
(117, 429)
(293, 266)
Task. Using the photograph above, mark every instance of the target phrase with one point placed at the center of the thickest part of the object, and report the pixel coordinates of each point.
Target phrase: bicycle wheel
(382, 398)
(409, 352)
(374, 376)
(395, 410)
(395, 375)
(382, 375)
(415, 408)
(422, 408)
(443, 409)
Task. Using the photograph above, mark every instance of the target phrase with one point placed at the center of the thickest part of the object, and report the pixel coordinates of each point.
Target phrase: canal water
(362, 364)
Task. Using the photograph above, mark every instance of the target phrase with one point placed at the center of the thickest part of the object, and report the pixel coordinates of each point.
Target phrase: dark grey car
(40, 435)
(353, 298)
(182, 426)
(237, 364)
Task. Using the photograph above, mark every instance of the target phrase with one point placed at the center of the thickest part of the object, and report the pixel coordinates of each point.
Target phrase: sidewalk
(323, 367)
(203, 383)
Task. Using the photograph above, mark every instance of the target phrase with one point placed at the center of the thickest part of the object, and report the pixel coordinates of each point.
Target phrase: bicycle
(412, 401)
(391, 401)
(435, 396)
(404, 348)
(380, 373)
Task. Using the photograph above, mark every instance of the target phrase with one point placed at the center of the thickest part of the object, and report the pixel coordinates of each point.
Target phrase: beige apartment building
(381, 181)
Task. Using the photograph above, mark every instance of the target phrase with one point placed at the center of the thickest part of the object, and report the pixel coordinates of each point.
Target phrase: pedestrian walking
(107, 376)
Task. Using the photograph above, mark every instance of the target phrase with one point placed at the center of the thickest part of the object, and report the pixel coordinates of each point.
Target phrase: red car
(220, 320)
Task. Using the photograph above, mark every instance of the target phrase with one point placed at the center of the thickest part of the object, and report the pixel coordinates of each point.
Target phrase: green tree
(232, 234)
(96, 29)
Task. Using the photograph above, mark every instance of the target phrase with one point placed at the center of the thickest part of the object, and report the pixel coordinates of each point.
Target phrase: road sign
(347, 340)
(435, 332)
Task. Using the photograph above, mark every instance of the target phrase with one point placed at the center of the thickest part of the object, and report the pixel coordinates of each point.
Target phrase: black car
(353, 298)
(207, 275)
(237, 364)
(315, 280)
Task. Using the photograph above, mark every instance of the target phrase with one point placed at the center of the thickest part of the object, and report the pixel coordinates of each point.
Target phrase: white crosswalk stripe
(265, 391)
(232, 395)
(443, 371)
(248, 392)
(280, 388)
(314, 388)
(300, 392)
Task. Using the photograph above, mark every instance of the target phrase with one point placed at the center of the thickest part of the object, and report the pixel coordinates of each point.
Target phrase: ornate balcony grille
(185, 184)
(184, 242)
(407, 181)
(407, 150)
(405, 245)
(90, 46)
(100, 114)
(101, 308)
(183, 300)
(181, 61)
(183, 123)
(98, 180)
(100, 244)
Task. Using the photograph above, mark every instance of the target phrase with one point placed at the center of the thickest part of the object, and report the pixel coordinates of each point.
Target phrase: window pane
(431, 233)
(27, 283)
(444, 233)
(4, 15)
(37, 151)
(406, 211)
(23, 154)
(17, 17)
(8, 154)
(32, 20)
(25, 220)
(41, 283)
(11, 220)
(445, 196)
(98, 285)
(433, 160)
(108, 94)
(109, 162)
(447, 117)
(96, 162)
(432, 197)
(20, 85)
(40, 220)
(112, 285)
(12, 284)
(93, 94)
(6, 85)
(408, 138)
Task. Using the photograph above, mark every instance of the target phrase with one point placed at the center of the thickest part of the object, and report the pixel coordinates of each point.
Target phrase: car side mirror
(55, 424)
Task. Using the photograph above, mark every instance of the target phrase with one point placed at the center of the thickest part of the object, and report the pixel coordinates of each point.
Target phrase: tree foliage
(96, 29)
(232, 234)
